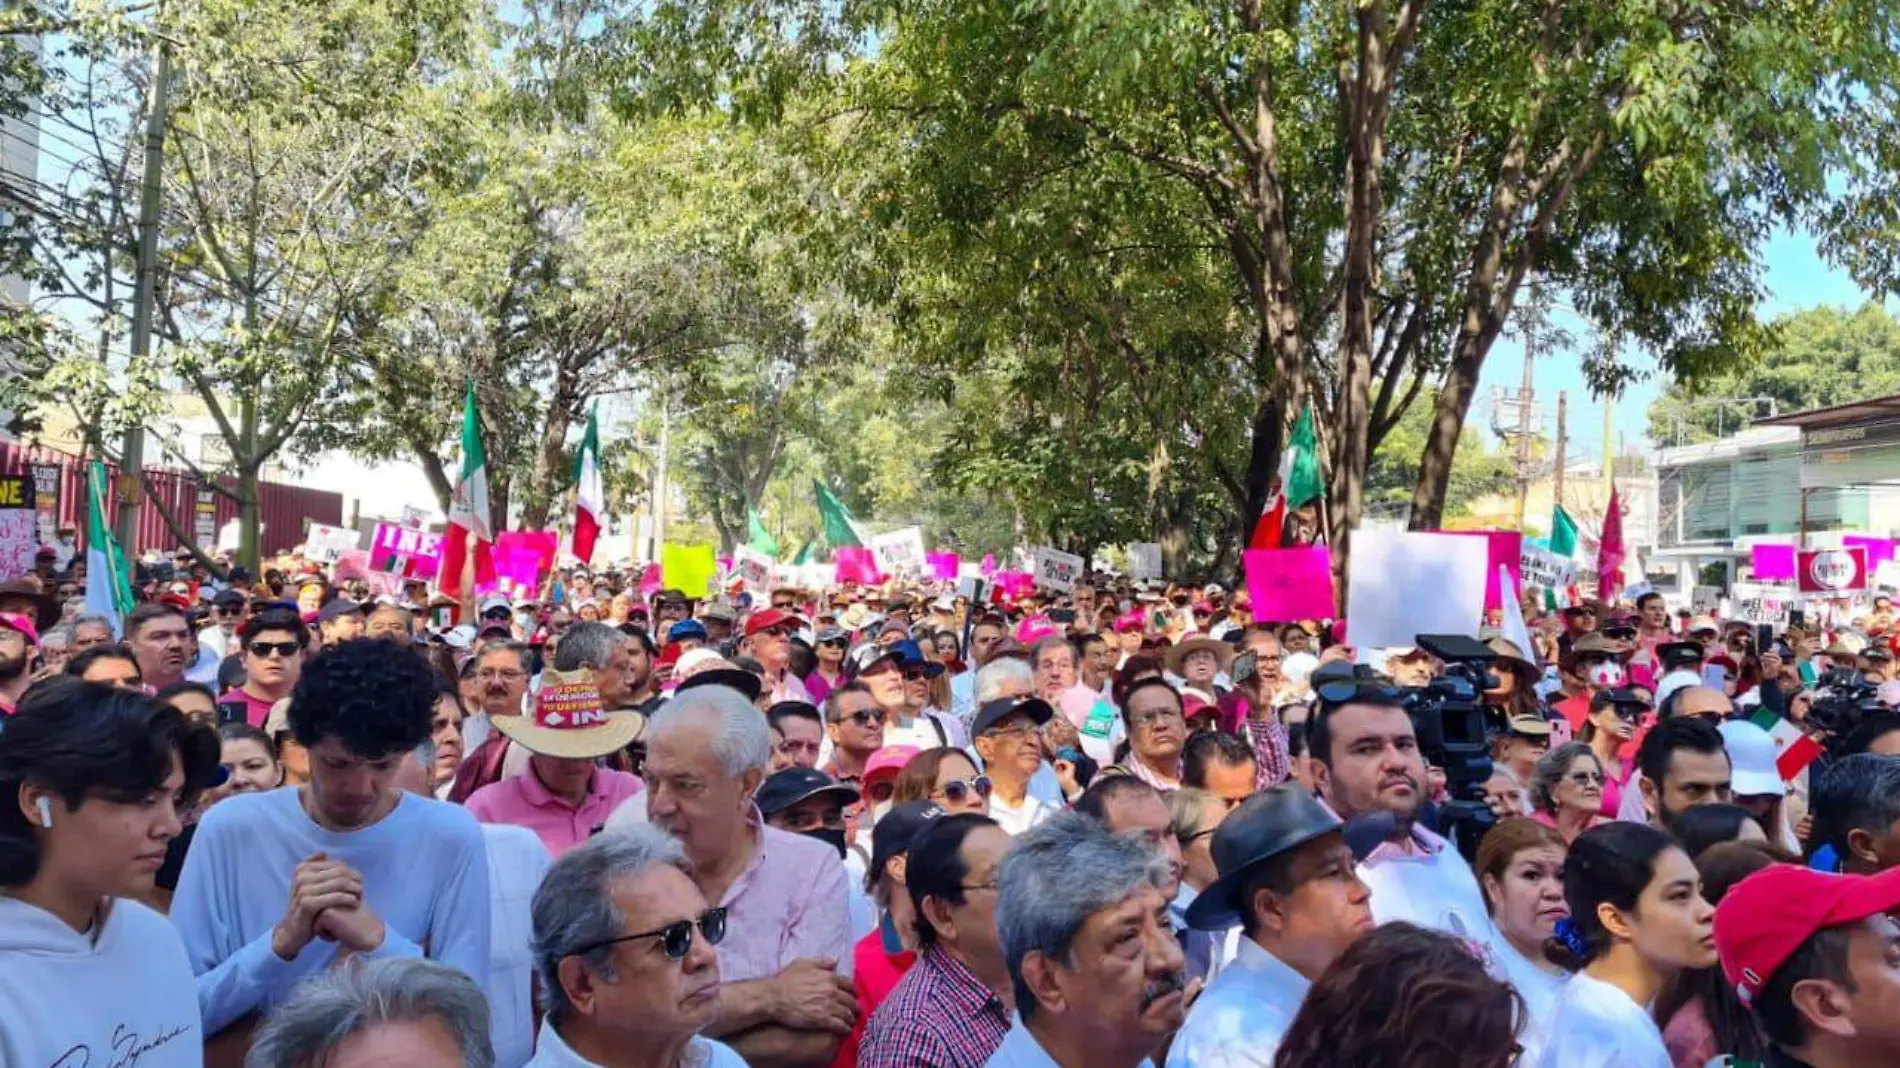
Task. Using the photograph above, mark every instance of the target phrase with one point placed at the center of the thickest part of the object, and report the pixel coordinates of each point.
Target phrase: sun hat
(568, 720)
(1223, 653)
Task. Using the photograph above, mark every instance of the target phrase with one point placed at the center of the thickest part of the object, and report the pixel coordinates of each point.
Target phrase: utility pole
(659, 479)
(1557, 472)
(132, 462)
(1609, 444)
(1524, 395)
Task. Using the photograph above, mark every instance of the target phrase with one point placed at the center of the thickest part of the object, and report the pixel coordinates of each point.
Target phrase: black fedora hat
(1263, 827)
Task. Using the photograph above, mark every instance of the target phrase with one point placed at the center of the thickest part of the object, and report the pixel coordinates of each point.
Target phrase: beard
(12, 667)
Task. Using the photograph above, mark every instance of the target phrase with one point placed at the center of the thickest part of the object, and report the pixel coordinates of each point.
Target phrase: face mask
(1605, 674)
(835, 839)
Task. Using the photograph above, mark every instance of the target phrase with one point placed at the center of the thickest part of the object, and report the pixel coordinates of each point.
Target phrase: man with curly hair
(280, 885)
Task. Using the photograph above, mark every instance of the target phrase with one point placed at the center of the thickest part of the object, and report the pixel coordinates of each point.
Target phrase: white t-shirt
(1596, 1025)
(1017, 820)
(1540, 990)
(516, 862)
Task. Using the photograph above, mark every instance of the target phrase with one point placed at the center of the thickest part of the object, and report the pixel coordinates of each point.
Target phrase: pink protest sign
(1878, 549)
(405, 551)
(1014, 583)
(989, 564)
(540, 546)
(1506, 548)
(857, 564)
(1290, 584)
(519, 564)
(650, 581)
(942, 565)
(1772, 563)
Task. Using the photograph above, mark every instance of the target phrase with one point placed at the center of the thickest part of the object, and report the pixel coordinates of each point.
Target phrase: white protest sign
(1887, 576)
(1761, 604)
(753, 569)
(1545, 570)
(327, 544)
(1144, 560)
(900, 553)
(1404, 584)
(413, 517)
(1057, 570)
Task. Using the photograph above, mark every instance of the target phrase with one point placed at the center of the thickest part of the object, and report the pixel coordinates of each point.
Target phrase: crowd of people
(291, 823)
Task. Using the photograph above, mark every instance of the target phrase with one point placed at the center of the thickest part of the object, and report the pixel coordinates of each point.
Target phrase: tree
(1819, 357)
(1476, 472)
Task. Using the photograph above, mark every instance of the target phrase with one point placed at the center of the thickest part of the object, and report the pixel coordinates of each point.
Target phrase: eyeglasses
(915, 675)
(1364, 683)
(228, 609)
(783, 630)
(869, 718)
(264, 649)
(1586, 778)
(880, 791)
(1155, 718)
(957, 791)
(676, 939)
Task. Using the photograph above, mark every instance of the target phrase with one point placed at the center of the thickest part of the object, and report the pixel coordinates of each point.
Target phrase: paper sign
(1404, 584)
(900, 552)
(1014, 583)
(856, 564)
(988, 567)
(1290, 584)
(1879, 550)
(1772, 563)
(325, 543)
(518, 564)
(540, 546)
(1831, 570)
(942, 565)
(1760, 604)
(689, 569)
(1144, 560)
(1542, 569)
(1503, 548)
(405, 551)
(1887, 576)
(414, 518)
(753, 569)
(46, 480)
(19, 526)
(1057, 570)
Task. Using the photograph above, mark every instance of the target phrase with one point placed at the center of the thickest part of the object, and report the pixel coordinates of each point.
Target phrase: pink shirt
(787, 904)
(524, 802)
(256, 709)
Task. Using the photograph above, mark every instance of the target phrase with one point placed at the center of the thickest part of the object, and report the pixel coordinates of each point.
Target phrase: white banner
(1542, 569)
(753, 570)
(327, 544)
(900, 553)
(1762, 604)
(1887, 576)
(1404, 584)
(1057, 570)
(1144, 560)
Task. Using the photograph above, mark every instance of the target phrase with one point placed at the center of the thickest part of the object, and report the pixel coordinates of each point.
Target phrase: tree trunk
(250, 543)
(1441, 443)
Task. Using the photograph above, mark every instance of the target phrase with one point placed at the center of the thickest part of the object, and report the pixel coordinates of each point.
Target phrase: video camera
(1842, 698)
(1450, 719)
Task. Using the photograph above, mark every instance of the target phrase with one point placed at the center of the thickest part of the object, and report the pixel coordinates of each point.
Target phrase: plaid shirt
(940, 1016)
(1272, 762)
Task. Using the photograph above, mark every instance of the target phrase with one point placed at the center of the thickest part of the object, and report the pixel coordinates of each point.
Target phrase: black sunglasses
(676, 939)
(284, 649)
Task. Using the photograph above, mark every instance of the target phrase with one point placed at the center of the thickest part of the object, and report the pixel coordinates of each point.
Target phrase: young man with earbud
(94, 781)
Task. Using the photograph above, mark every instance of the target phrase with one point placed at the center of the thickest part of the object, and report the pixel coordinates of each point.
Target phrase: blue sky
(1797, 277)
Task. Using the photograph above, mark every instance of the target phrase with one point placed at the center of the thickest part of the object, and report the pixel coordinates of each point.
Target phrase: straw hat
(569, 722)
(1223, 653)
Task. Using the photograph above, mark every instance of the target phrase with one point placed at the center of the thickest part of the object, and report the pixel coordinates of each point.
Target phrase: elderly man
(373, 1012)
(1096, 972)
(621, 670)
(625, 948)
(951, 1010)
(499, 677)
(163, 643)
(781, 1001)
(1007, 739)
(1157, 732)
(768, 639)
(89, 631)
(891, 671)
(1286, 878)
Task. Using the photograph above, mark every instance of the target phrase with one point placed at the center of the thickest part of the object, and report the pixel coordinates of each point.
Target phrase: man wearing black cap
(1287, 878)
(881, 958)
(339, 620)
(1008, 738)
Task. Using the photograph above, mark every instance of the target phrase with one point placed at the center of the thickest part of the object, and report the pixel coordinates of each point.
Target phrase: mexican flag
(468, 509)
(589, 500)
(1794, 750)
(840, 528)
(1563, 545)
(108, 592)
(1299, 482)
(759, 539)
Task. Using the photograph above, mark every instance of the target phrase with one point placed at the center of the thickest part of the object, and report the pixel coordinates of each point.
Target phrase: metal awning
(1853, 413)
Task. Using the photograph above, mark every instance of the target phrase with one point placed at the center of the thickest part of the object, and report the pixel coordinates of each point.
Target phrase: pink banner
(405, 551)
(1878, 549)
(1772, 563)
(537, 545)
(1507, 547)
(1014, 583)
(519, 564)
(1290, 584)
(857, 564)
(989, 564)
(650, 581)
(942, 565)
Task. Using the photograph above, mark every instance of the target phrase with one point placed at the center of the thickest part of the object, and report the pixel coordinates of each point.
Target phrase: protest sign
(1290, 584)
(942, 566)
(753, 569)
(689, 569)
(46, 499)
(1057, 570)
(517, 563)
(1502, 548)
(1772, 562)
(405, 551)
(1542, 569)
(1887, 576)
(1879, 550)
(19, 526)
(1760, 604)
(1403, 584)
(1013, 583)
(325, 543)
(1144, 560)
(1831, 570)
(856, 564)
(900, 553)
(539, 546)
(414, 518)
(204, 517)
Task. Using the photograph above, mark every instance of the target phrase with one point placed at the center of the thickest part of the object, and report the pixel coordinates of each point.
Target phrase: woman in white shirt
(1637, 917)
(1520, 867)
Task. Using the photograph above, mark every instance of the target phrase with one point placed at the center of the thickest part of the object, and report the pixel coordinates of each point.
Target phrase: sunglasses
(676, 939)
(873, 718)
(957, 791)
(228, 609)
(264, 649)
(1346, 691)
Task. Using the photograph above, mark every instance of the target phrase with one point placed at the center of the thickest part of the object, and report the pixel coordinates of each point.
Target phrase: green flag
(840, 528)
(1300, 479)
(1563, 534)
(759, 539)
(804, 556)
(108, 589)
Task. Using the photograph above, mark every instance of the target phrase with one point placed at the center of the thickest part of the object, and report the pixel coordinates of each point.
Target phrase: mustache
(1171, 983)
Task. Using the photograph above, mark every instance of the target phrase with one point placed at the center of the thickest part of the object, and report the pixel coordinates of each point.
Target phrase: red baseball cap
(1767, 916)
(768, 619)
(18, 622)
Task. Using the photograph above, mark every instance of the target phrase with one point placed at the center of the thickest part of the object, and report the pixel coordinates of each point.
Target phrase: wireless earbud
(46, 812)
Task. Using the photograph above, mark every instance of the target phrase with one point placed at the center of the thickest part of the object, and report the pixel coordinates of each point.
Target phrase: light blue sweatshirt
(424, 869)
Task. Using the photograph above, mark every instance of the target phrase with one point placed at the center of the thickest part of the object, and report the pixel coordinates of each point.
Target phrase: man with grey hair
(377, 1011)
(619, 674)
(782, 1001)
(624, 945)
(89, 631)
(1097, 973)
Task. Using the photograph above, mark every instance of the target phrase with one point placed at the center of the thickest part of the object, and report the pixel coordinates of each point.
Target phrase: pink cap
(16, 621)
(888, 761)
(1035, 628)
